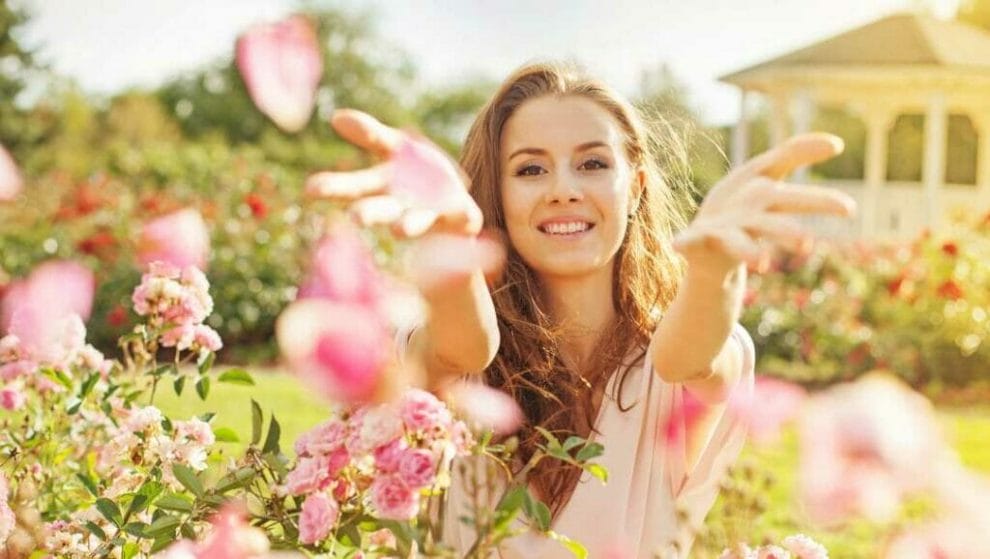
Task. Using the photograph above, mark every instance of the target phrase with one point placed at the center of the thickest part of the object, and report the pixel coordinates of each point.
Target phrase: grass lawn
(298, 409)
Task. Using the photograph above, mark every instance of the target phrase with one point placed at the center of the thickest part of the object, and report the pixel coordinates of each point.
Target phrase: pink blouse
(648, 483)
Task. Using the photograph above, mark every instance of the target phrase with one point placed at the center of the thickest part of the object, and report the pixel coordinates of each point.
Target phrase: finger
(809, 199)
(732, 241)
(364, 130)
(414, 222)
(438, 260)
(348, 185)
(797, 151)
(781, 230)
(376, 210)
(464, 219)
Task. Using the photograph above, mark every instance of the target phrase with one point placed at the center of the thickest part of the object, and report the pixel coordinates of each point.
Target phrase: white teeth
(566, 228)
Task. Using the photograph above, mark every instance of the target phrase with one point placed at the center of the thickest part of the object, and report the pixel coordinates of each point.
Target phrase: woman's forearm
(461, 334)
(690, 342)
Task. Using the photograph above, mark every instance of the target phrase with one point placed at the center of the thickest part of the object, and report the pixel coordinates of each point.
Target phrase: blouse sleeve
(724, 443)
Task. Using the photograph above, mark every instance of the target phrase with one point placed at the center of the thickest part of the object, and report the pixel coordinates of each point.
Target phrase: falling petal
(343, 270)
(281, 67)
(438, 260)
(180, 239)
(423, 176)
(767, 408)
(485, 407)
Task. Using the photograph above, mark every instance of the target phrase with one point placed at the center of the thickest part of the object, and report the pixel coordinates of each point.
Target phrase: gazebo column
(936, 126)
(778, 117)
(740, 134)
(878, 123)
(803, 111)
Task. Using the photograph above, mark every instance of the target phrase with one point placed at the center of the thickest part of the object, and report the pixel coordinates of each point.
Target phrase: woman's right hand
(374, 202)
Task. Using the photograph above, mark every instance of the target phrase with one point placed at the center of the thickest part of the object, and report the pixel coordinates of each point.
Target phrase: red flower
(950, 290)
(99, 244)
(950, 248)
(894, 286)
(117, 316)
(259, 209)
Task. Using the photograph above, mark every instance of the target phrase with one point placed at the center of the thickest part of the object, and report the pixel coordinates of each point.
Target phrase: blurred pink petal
(684, 414)
(343, 270)
(281, 66)
(424, 176)
(864, 445)
(341, 349)
(10, 177)
(952, 538)
(485, 407)
(438, 260)
(180, 239)
(765, 410)
(46, 309)
(232, 538)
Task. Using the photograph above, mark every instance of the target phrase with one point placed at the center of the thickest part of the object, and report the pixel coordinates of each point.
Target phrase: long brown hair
(647, 271)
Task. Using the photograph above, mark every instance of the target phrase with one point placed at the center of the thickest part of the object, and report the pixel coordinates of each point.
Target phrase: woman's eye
(594, 164)
(529, 171)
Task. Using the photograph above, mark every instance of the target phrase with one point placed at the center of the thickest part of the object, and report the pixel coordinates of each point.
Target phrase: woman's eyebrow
(539, 151)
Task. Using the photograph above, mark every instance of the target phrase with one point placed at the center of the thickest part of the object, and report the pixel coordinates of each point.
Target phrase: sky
(108, 45)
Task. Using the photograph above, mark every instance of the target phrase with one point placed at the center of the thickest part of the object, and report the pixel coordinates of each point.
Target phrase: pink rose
(417, 468)
(422, 411)
(318, 516)
(281, 67)
(309, 474)
(322, 439)
(180, 239)
(804, 547)
(12, 399)
(393, 499)
(10, 177)
(207, 338)
(388, 455)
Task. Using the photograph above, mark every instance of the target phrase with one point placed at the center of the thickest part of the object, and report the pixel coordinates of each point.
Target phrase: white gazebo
(901, 64)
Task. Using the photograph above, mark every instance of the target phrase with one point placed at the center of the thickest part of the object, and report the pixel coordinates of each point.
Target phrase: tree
(15, 63)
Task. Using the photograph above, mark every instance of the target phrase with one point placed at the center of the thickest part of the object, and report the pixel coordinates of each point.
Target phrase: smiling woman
(614, 319)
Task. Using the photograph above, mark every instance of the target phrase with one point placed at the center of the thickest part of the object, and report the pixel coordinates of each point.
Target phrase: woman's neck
(583, 306)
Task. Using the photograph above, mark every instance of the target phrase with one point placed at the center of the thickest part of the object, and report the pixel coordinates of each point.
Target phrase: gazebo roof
(898, 40)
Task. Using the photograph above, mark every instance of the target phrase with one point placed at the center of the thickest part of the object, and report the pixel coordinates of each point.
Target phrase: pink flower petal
(341, 349)
(180, 239)
(44, 309)
(766, 409)
(343, 270)
(486, 407)
(424, 176)
(439, 260)
(281, 66)
(10, 177)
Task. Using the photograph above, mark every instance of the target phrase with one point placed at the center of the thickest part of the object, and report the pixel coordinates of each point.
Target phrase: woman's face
(566, 185)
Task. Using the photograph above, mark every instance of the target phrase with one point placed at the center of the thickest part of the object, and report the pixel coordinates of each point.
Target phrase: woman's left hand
(743, 218)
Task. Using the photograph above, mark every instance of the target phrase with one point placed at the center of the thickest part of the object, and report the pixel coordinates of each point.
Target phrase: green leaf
(537, 512)
(205, 362)
(225, 435)
(162, 542)
(552, 440)
(161, 370)
(135, 529)
(174, 502)
(207, 417)
(572, 442)
(592, 450)
(163, 525)
(574, 547)
(236, 376)
(274, 433)
(236, 478)
(508, 507)
(598, 471)
(88, 384)
(89, 484)
(109, 510)
(257, 418)
(187, 531)
(178, 384)
(96, 530)
(130, 550)
(187, 477)
(145, 495)
(203, 387)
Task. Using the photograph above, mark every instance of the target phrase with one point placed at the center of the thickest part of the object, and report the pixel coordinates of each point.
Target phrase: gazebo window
(962, 151)
(848, 126)
(906, 153)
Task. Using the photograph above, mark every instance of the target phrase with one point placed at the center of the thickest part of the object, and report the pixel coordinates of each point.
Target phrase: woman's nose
(564, 188)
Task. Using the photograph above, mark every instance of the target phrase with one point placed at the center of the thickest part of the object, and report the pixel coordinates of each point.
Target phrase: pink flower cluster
(380, 457)
(140, 439)
(797, 546)
(177, 301)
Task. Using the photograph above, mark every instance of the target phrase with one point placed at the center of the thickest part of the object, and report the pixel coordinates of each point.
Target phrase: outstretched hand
(744, 216)
(372, 193)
